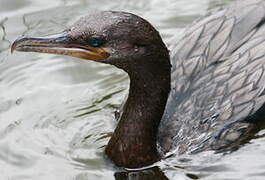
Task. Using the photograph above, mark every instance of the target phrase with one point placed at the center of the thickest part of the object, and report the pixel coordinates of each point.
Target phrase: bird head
(118, 38)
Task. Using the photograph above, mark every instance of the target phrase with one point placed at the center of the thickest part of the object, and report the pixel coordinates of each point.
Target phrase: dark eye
(94, 41)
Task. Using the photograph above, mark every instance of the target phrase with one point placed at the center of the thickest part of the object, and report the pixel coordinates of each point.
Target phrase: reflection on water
(4, 42)
(57, 113)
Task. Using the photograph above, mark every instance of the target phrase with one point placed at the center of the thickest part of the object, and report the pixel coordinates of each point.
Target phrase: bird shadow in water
(154, 173)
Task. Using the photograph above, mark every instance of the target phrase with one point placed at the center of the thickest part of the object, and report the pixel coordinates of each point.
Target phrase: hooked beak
(59, 44)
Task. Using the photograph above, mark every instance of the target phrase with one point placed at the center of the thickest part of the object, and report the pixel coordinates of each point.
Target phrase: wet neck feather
(133, 143)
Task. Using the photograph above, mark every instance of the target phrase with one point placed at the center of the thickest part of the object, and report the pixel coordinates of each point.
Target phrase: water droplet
(18, 101)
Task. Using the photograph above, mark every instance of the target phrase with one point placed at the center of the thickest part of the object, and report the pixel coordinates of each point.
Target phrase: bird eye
(94, 41)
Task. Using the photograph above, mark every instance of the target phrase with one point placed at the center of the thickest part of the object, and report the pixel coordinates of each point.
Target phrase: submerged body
(210, 97)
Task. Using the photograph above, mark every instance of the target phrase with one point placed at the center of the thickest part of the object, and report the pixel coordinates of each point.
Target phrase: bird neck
(133, 143)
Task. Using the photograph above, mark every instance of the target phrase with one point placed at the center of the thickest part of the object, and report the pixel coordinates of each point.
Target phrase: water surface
(57, 113)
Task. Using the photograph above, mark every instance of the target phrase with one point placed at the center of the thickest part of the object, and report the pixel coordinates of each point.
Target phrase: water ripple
(57, 113)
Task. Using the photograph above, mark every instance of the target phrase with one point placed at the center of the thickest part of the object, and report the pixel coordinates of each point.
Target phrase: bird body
(210, 96)
(218, 80)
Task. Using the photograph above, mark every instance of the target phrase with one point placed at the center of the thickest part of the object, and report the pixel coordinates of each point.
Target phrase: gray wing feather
(218, 79)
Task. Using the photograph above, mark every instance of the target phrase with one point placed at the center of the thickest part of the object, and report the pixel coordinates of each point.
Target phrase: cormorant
(208, 97)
